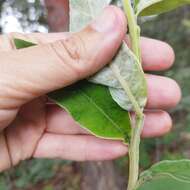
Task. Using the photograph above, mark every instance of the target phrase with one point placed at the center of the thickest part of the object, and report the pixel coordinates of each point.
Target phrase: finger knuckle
(74, 46)
(71, 51)
(75, 50)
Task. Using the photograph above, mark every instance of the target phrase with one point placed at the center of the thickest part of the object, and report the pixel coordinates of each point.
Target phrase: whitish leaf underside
(82, 12)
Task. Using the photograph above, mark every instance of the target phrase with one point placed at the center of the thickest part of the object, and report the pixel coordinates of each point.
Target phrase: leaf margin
(147, 9)
(153, 172)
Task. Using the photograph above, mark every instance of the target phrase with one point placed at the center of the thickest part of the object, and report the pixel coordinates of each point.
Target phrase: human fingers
(156, 55)
(78, 148)
(163, 92)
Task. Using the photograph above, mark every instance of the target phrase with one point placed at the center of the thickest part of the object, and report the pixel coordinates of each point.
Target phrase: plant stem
(135, 134)
(134, 33)
(134, 29)
(134, 153)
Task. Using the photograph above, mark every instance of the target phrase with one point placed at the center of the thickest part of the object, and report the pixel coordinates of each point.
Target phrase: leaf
(128, 67)
(152, 7)
(19, 44)
(136, 2)
(166, 175)
(83, 11)
(125, 61)
(92, 106)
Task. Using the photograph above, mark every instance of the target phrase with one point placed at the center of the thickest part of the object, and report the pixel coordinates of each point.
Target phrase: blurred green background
(174, 28)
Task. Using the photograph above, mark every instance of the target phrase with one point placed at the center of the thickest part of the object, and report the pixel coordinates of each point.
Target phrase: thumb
(32, 72)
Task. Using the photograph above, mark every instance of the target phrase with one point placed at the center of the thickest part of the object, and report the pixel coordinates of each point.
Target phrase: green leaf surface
(153, 7)
(19, 44)
(92, 106)
(136, 2)
(166, 175)
(125, 61)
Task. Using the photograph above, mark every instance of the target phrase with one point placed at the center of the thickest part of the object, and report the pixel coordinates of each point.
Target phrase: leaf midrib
(100, 109)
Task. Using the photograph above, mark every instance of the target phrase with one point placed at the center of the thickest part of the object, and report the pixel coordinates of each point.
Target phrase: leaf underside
(81, 13)
(174, 175)
(153, 7)
(92, 106)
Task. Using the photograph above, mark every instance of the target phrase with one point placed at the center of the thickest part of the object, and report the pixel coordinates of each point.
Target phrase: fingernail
(107, 21)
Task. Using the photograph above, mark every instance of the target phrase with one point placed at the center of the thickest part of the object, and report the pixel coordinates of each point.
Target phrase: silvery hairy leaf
(82, 12)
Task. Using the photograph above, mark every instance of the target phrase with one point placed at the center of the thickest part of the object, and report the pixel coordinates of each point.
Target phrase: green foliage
(93, 108)
(3, 185)
(22, 43)
(152, 7)
(166, 175)
(38, 171)
(145, 159)
(29, 173)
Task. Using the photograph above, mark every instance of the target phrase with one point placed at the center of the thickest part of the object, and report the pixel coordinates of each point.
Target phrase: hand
(32, 127)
